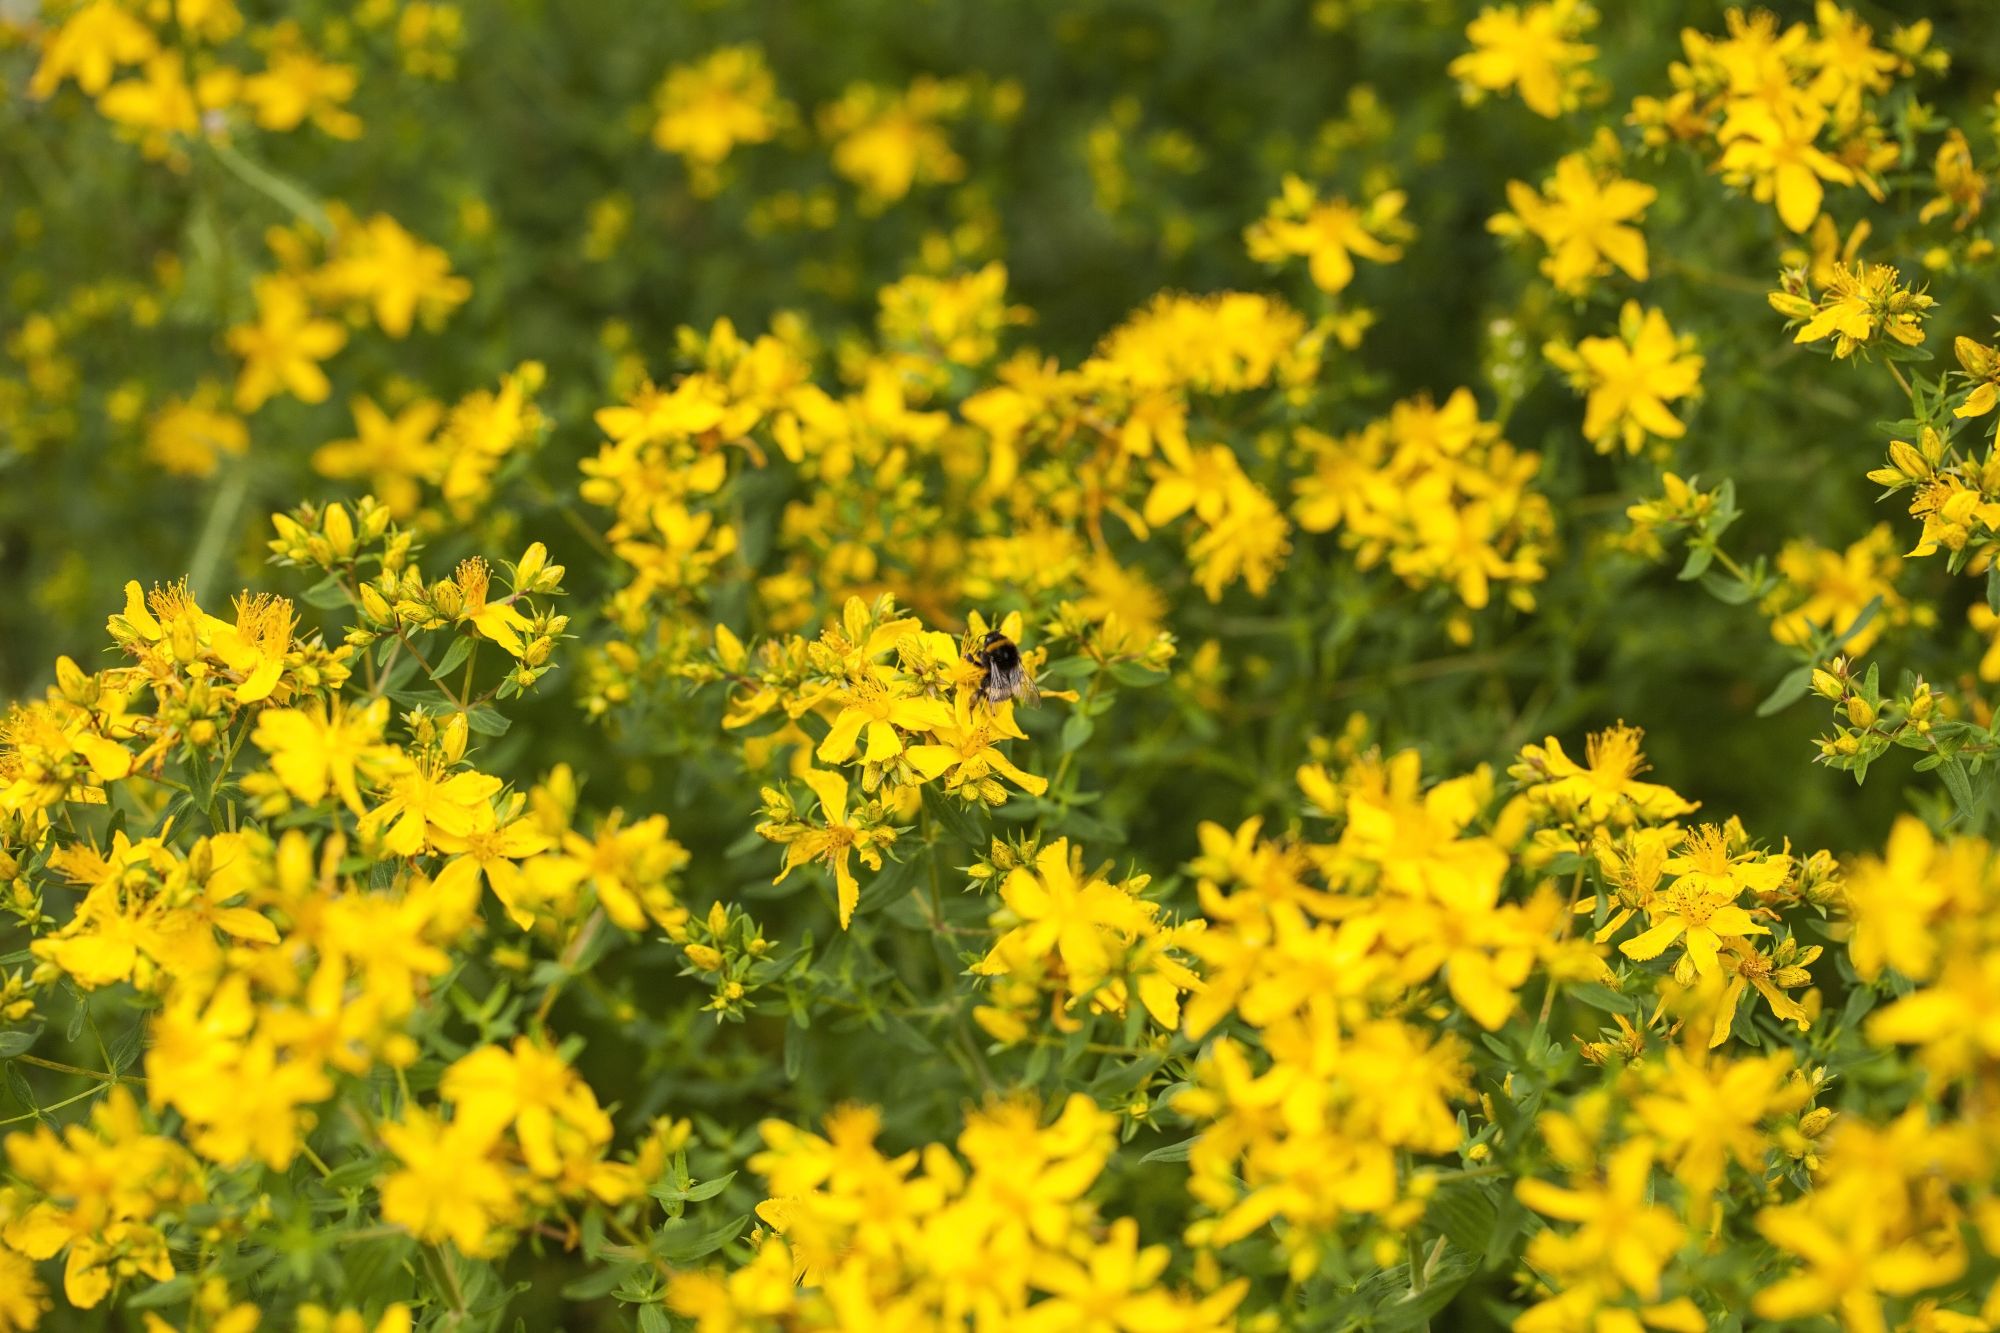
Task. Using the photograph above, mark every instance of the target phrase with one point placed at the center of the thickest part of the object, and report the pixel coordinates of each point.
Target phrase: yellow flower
(23, 1298)
(423, 800)
(296, 86)
(98, 1188)
(876, 708)
(964, 748)
(1248, 540)
(1604, 789)
(1771, 974)
(630, 867)
(89, 45)
(450, 1185)
(531, 1089)
(396, 274)
(321, 749)
(1621, 1237)
(396, 456)
(1329, 233)
(486, 850)
(1962, 187)
(1705, 1111)
(835, 841)
(707, 108)
(885, 141)
(1699, 908)
(1981, 365)
(243, 1100)
(498, 621)
(1861, 305)
(161, 102)
(1586, 218)
(959, 319)
(1850, 1258)
(1830, 590)
(282, 350)
(1768, 145)
(1630, 379)
(1531, 48)
(1086, 922)
(190, 437)
(255, 646)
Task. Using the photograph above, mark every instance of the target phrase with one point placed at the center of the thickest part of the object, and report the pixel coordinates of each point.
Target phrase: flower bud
(1908, 461)
(339, 530)
(456, 732)
(1860, 712)
(375, 606)
(532, 562)
(1791, 307)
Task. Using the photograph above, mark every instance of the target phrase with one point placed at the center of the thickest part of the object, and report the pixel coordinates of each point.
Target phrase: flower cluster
(954, 667)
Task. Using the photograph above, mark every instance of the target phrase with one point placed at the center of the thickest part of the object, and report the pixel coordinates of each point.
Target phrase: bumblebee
(1006, 677)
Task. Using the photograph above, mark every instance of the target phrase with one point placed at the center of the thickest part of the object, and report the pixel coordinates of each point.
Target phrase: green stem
(62, 1068)
(1069, 756)
(217, 527)
(465, 690)
(1562, 933)
(276, 188)
(40, 1111)
(567, 962)
(1908, 392)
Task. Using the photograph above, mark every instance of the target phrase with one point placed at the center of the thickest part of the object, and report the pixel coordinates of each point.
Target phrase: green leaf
(1600, 996)
(707, 1189)
(1402, 1311)
(1132, 673)
(487, 721)
(1172, 1152)
(1466, 1213)
(1790, 690)
(953, 817)
(684, 1240)
(373, 1270)
(326, 594)
(795, 1051)
(1076, 732)
(171, 1292)
(1699, 556)
(18, 1041)
(1958, 781)
(461, 648)
(1732, 590)
(595, 1286)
